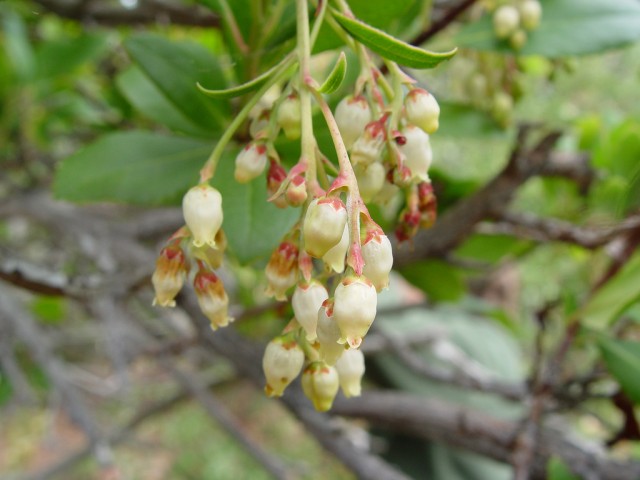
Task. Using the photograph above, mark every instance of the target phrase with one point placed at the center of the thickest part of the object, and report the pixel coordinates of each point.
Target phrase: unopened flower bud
(169, 275)
(417, 152)
(378, 259)
(335, 257)
(212, 298)
(276, 175)
(211, 256)
(530, 14)
(350, 367)
(422, 109)
(296, 193)
(323, 225)
(202, 210)
(370, 179)
(282, 270)
(505, 21)
(306, 302)
(518, 39)
(427, 205)
(282, 361)
(354, 309)
(288, 117)
(408, 224)
(352, 116)
(368, 146)
(320, 383)
(328, 334)
(250, 162)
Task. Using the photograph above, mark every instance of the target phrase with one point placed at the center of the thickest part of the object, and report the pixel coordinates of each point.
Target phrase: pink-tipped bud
(212, 298)
(276, 175)
(282, 270)
(288, 117)
(352, 116)
(328, 334)
(169, 275)
(370, 179)
(354, 309)
(350, 369)
(368, 146)
(417, 152)
(202, 210)
(422, 109)
(378, 259)
(323, 225)
(408, 225)
(506, 20)
(250, 162)
(320, 383)
(282, 362)
(306, 302)
(296, 193)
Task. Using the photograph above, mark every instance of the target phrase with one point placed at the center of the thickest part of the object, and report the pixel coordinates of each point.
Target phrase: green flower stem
(210, 165)
(308, 141)
(230, 20)
(318, 22)
(355, 205)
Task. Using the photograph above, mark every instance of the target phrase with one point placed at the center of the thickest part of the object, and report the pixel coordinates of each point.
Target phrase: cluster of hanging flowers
(335, 260)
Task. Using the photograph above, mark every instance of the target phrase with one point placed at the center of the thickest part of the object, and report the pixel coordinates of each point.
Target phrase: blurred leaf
(558, 470)
(145, 96)
(390, 47)
(620, 151)
(491, 248)
(379, 13)
(457, 119)
(336, 76)
(568, 27)
(135, 167)
(622, 358)
(610, 301)
(51, 310)
(254, 227)
(176, 68)
(439, 280)
(17, 44)
(247, 87)
(62, 56)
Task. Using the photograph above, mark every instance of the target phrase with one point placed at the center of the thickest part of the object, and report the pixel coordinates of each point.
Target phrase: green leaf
(457, 119)
(175, 68)
(622, 358)
(491, 248)
(336, 77)
(135, 167)
(391, 48)
(254, 227)
(145, 96)
(17, 45)
(62, 56)
(610, 301)
(439, 280)
(558, 470)
(568, 27)
(248, 86)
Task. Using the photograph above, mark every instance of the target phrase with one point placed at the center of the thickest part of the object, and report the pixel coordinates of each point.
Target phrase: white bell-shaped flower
(354, 309)
(352, 116)
(282, 362)
(328, 334)
(350, 367)
(250, 162)
(202, 210)
(335, 257)
(417, 152)
(370, 179)
(288, 117)
(530, 14)
(378, 259)
(506, 20)
(323, 225)
(212, 298)
(422, 109)
(320, 383)
(306, 302)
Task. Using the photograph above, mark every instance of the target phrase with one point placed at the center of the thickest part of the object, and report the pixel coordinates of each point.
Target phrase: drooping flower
(323, 225)
(378, 259)
(355, 308)
(306, 302)
(320, 383)
(422, 109)
(352, 116)
(288, 117)
(202, 210)
(250, 162)
(212, 298)
(169, 275)
(328, 334)
(417, 152)
(350, 367)
(282, 270)
(282, 361)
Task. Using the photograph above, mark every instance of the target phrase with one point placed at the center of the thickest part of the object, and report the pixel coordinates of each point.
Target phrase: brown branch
(447, 18)
(145, 12)
(481, 433)
(531, 227)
